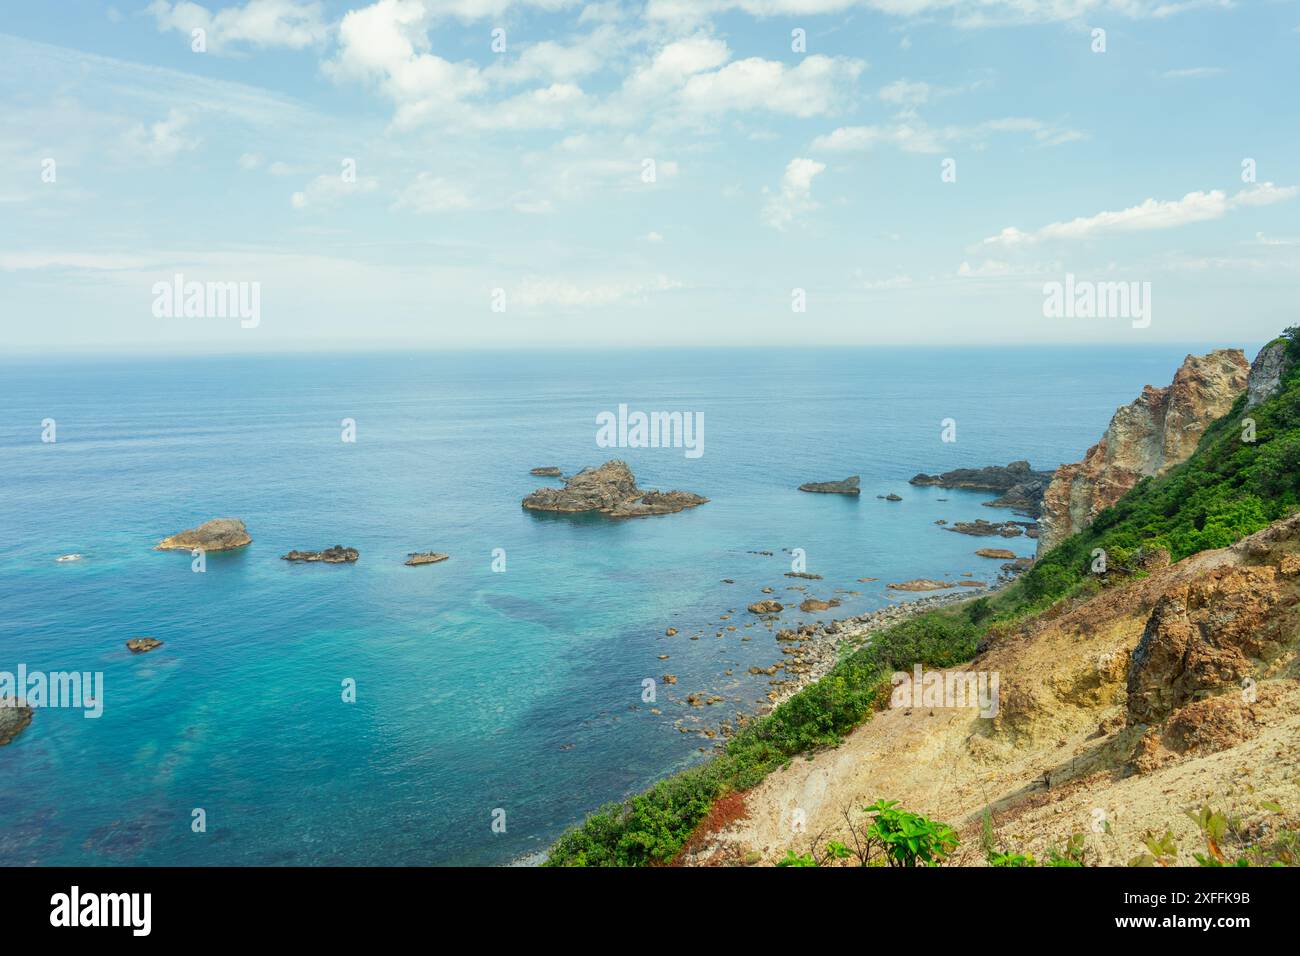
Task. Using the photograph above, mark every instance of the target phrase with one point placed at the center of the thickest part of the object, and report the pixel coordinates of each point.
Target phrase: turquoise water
(476, 690)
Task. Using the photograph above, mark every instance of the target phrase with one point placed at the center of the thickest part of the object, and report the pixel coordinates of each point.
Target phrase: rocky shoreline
(808, 652)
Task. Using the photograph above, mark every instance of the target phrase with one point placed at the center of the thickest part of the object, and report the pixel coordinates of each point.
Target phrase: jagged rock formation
(1272, 362)
(142, 645)
(14, 718)
(547, 471)
(1157, 431)
(610, 490)
(219, 534)
(845, 486)
(766, 607)
(335, 555)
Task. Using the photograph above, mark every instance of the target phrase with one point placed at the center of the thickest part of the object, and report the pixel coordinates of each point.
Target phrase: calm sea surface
(477, 691)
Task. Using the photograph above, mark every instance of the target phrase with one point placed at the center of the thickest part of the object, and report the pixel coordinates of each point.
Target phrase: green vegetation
(1220, 833)
(1229, 488)
(889, 837)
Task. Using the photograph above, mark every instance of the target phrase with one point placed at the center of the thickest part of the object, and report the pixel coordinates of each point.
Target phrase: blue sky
(524, 170)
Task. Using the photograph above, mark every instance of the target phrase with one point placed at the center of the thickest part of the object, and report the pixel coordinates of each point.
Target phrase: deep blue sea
(477, 690)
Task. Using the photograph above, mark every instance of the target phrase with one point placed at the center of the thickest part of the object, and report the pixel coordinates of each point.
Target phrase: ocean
(493, 708)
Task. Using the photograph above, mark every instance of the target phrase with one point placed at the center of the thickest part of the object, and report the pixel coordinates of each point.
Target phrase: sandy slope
(1064, 755)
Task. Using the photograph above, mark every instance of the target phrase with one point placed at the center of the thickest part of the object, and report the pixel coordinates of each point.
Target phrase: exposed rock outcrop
(1002, 553)
(219, 534)
(845, 486)
(335, 555)
(1148, 437)
(1265, 378)
(766, 607)
(1206, 637)
(424, 557)
(14, 718)
(549, 471)
(142, 645)
(813, 605)
(610, 490)
(922, 584)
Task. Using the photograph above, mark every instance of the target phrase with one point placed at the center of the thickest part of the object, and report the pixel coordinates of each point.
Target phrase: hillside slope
(1117, 714)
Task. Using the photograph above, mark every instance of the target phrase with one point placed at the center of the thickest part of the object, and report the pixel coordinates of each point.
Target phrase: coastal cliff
(1149, 436)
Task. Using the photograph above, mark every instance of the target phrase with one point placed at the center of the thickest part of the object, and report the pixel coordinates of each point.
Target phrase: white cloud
(906, 92)
(654, 237)
(431, 195)
(912, 134)
(966, 13)
(93, 262)
(894, 282)
(816, 86)
(327, 189)
(160, 142)
(1195, 72)
(259, 23)
(1148, 215)
(564, 293)
(795, 196)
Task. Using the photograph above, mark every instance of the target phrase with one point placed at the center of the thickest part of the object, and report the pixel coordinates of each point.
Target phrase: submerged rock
(610, 490)
(424, 557)
(14, 718)
(142, 645)
(335, 555)
(845, 486)
(219, 534)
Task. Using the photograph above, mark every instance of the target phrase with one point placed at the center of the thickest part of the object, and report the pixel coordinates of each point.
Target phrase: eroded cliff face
(1272, 362)
(1146, 437)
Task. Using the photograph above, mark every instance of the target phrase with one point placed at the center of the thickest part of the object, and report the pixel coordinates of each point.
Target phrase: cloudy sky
(445, 173)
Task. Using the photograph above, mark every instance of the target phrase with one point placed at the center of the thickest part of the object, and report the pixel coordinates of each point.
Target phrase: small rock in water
(845, 486)
(424, 557)
(335, 555)
(14, 718)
